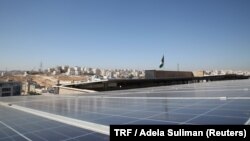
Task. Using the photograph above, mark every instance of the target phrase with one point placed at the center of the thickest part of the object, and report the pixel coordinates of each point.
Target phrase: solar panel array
(224, 102)
(14, 124)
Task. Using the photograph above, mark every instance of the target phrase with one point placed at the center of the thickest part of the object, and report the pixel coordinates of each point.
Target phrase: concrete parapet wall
(67, 90)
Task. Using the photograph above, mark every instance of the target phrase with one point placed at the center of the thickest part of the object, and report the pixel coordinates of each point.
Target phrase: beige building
(199, 73)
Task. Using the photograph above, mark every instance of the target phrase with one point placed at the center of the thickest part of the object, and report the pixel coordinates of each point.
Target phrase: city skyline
(197, 35)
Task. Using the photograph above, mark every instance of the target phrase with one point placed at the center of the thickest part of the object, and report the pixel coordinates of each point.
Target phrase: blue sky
(197, 34)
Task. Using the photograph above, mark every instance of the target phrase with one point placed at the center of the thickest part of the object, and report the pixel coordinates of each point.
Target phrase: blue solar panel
(17, 125)
(225, 102)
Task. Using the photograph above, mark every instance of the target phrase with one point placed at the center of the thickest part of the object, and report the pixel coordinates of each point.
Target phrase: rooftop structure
(10, 89)
(162, 74)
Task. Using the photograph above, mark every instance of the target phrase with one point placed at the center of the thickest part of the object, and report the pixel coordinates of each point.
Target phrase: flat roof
(220, 102)
(10, 82)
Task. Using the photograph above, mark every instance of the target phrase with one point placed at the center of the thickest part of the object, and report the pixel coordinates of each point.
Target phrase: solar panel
(17, 125)
(224, 102)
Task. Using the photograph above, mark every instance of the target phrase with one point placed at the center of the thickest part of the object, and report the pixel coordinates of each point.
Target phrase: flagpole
(162, 63)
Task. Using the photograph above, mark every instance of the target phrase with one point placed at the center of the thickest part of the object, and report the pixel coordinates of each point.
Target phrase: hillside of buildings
(43, 80)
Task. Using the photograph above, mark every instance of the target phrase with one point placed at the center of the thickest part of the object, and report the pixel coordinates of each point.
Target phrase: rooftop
(88, 116)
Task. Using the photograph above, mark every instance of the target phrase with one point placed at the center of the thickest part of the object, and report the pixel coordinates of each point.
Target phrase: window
(6, 89)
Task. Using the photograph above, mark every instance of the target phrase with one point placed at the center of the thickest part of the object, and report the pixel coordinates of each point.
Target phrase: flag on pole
(162, 62)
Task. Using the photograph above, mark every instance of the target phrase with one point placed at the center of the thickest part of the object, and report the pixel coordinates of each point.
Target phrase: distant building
(70, 71)
(161, 74)
(58, 69)
(77, 70)
(83, 70)
(10, 88)
(90, 71)
(50, 70)
(65, 68)
(199, 73)
(98, 72)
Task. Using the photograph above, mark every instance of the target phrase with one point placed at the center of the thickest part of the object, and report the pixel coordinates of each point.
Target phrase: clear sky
(197, 34)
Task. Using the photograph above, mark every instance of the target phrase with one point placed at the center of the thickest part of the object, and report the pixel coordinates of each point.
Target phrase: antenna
(41, 67)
